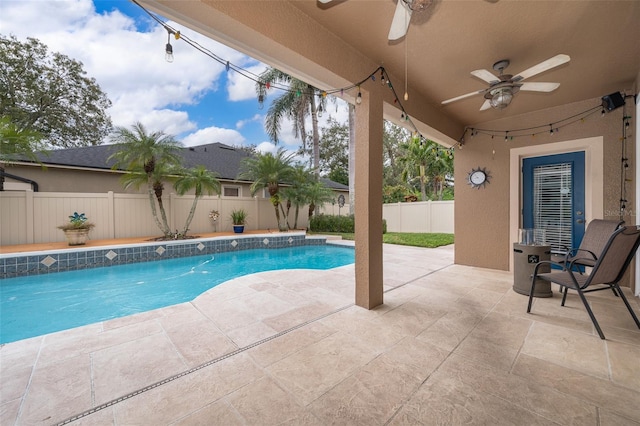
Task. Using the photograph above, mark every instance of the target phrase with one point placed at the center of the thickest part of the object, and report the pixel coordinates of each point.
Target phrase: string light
(550, 129)
(384, 77)
(168, 50)
(625, 163)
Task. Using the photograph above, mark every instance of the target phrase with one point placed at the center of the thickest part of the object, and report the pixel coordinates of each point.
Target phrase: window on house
(231, 191)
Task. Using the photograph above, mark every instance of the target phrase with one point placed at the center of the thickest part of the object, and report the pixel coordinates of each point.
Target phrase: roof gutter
(3, 174)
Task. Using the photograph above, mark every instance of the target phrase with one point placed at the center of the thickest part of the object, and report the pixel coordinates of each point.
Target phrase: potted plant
(238, 218)
(77, 230)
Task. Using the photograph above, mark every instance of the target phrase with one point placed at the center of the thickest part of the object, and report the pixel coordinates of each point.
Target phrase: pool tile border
(21, 264)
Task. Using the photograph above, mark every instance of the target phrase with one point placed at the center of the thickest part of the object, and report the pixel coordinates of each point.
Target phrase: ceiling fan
(402, 16)
(503, 86)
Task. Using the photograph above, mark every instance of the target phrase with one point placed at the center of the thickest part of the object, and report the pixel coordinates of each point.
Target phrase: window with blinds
(553, 203)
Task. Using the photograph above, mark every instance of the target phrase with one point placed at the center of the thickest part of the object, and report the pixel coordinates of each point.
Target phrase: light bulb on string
(320, 110)
(168, 49)
(359, 97)
(260, 101)
(406, 96)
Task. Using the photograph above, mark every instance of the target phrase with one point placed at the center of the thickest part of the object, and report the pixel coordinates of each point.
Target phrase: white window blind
(552, 203)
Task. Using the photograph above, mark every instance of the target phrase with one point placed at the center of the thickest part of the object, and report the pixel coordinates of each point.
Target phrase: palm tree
(432, 164)
(15, 141)
(149, 158)
(295, 194)
(296, 103)
(268, 171)
(441, 169)
(201, 181)
(317, 194)
(416, 154)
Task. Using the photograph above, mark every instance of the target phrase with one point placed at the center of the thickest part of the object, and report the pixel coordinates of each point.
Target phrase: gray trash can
(525, 259)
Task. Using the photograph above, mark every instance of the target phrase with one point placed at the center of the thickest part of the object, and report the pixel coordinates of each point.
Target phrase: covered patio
(452, 344)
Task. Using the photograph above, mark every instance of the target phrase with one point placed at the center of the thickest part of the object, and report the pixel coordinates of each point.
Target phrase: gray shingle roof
(220, 158)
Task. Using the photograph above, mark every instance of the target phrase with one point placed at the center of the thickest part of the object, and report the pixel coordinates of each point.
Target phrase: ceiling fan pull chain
(406, 72)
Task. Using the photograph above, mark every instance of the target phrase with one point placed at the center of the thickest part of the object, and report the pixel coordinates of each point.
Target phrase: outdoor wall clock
(478, 177)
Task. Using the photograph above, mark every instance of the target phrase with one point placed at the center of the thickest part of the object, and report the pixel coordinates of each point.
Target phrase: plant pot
(238, 229)
(76, 237)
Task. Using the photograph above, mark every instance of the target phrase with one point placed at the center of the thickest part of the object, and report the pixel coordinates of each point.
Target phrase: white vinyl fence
(422, 216)
(28, 217)
(33, 217)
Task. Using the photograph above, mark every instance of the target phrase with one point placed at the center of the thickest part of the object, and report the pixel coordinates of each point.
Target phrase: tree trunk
(191, 214)
(295, 222)
(316, 134)
(154, 211)
(423, 189)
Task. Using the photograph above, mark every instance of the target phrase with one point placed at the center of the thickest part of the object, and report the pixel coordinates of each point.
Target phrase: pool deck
(451, 344)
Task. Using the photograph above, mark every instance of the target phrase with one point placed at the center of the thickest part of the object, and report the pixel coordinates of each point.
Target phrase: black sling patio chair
(595, 238)
(607, 271)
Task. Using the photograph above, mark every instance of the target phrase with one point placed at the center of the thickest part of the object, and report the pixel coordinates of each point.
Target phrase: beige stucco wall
(482, 216)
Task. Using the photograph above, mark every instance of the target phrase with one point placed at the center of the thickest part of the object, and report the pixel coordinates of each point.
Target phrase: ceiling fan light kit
(417, 5)
(501, 98)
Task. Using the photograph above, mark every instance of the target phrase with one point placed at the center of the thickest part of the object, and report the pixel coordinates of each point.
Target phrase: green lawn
(411, 239)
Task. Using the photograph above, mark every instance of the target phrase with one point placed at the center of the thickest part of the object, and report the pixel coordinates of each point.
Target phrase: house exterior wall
(482, 219)
(71, 179)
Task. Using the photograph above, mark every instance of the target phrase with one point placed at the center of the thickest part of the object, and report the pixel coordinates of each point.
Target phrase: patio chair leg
(626, 302)
(590, 312)
(533, 288)
(564, 295)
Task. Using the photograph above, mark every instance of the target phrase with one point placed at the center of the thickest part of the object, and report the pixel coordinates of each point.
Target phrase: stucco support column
(368, 194)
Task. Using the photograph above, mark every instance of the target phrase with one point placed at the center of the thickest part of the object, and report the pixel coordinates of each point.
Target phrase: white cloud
(255, 119)
(265, 147)
(214, 134)
(240, 87)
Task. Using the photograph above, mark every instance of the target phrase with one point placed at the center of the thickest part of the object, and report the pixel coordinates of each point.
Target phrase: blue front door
(553, 198)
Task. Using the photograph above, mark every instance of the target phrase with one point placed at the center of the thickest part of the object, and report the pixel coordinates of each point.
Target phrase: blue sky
(194, 98)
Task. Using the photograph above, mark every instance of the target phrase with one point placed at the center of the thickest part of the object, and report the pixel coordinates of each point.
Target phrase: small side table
(525, 259)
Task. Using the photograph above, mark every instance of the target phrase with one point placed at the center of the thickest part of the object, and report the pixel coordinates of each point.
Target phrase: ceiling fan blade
(468, 95)
(539, 87)
(485, 76)
(486, 105)
(543, 66)
(400, 23)
(325, 1)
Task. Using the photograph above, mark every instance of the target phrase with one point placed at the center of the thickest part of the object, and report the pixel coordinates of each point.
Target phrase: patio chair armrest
(574, 252)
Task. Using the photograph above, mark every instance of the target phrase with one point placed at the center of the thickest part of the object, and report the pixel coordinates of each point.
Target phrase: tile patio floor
(451, 345)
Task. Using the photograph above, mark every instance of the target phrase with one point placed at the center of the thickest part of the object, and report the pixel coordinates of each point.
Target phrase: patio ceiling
(445, 43)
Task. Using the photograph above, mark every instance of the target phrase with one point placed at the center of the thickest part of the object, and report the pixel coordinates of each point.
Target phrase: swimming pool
(40, 304)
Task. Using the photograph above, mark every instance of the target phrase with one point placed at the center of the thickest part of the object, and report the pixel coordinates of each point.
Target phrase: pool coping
(75, 258)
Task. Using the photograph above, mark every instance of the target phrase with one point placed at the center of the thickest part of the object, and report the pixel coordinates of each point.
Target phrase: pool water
(40, 304)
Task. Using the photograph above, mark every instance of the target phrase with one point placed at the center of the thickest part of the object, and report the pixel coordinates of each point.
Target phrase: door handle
(580, 221)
